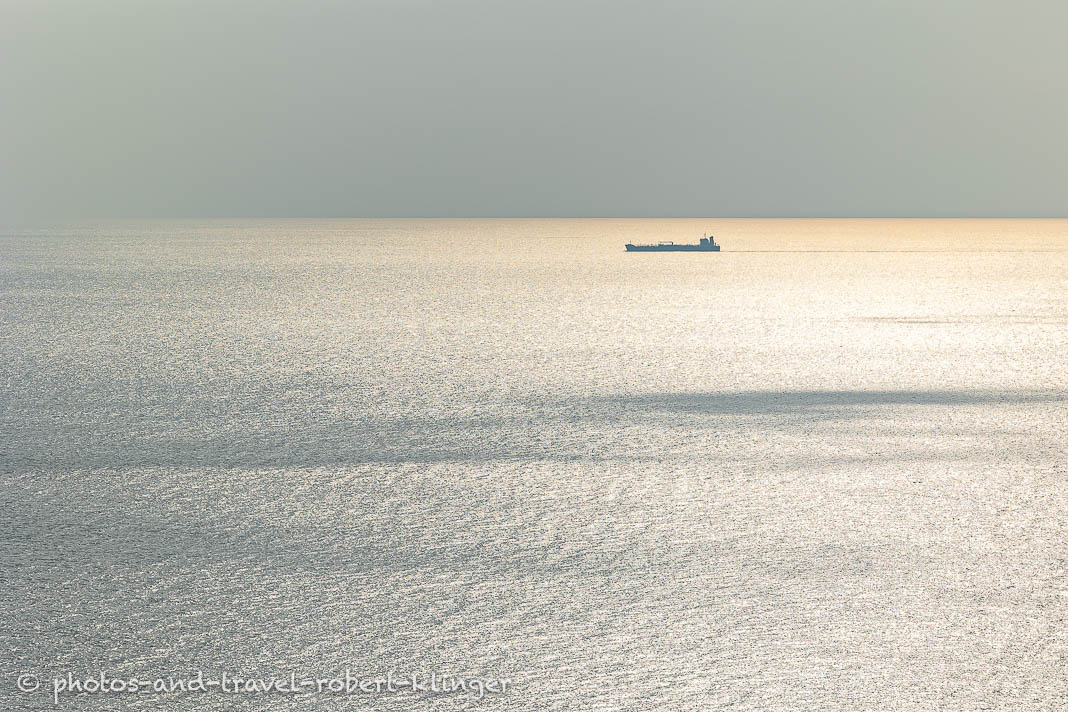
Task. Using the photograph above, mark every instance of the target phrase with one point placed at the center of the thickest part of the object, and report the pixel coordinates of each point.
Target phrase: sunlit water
(823, 469)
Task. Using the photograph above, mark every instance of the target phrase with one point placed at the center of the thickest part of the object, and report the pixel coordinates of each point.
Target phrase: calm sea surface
(823, 469)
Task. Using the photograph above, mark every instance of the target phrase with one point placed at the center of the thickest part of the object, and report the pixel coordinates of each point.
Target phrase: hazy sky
(552, 108)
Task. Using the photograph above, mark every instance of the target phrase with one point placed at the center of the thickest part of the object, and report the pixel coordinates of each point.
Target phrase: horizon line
(523, 217)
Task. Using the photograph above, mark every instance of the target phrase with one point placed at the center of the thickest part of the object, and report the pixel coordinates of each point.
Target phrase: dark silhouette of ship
(707, 244)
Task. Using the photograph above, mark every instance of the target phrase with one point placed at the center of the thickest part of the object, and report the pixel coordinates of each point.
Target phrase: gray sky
(553, 108)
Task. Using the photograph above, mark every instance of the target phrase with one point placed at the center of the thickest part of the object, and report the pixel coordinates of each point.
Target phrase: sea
(506, 465)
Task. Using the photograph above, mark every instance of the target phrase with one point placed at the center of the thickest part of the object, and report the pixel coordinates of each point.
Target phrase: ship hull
(671, 248)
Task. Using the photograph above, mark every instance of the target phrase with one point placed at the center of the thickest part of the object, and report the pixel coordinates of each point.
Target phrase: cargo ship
(707, 244)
